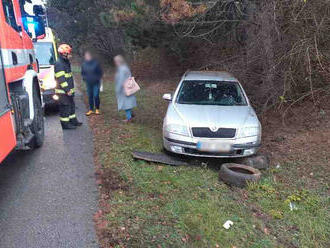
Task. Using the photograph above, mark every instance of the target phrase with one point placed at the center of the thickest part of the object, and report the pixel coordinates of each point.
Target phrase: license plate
(213, 147)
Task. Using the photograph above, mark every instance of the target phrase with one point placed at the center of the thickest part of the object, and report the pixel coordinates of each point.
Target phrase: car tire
(38, 124)
(238, 174)
(260, 162)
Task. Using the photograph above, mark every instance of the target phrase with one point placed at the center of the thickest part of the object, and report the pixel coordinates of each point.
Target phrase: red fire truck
(21, 107)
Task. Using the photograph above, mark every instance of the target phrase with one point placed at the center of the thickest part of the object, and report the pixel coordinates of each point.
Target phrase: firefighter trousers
(67, 109)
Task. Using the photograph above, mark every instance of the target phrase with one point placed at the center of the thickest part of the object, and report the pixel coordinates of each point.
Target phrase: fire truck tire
(37, 127)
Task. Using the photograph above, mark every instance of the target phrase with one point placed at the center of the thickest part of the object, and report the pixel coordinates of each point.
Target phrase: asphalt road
(48, 196)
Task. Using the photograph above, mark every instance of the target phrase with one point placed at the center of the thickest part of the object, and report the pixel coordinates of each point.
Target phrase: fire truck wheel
(37, 126)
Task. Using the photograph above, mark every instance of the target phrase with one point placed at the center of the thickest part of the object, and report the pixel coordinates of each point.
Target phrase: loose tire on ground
(37, 126)
(260, 162)
(238, 174)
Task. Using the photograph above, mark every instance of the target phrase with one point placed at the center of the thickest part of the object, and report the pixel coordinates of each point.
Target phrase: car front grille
(200, 153)
(205, 132)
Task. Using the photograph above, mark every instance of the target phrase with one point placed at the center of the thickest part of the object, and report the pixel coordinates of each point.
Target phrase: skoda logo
(214, 129)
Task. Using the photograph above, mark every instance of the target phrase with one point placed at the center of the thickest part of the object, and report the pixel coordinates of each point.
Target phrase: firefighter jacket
(63, 75)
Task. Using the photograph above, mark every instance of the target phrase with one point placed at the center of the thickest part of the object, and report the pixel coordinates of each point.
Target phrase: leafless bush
(292, 43)
(278, 48)
(108, 42)
(155, 64)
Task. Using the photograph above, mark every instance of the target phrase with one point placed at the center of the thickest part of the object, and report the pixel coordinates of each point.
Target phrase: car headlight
(177, 129)
(249, 132)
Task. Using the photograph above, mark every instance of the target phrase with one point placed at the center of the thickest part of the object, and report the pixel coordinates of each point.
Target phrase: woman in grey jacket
(126, 103)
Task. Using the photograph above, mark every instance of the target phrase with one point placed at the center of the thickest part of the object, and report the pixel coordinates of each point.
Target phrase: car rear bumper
(185, 147)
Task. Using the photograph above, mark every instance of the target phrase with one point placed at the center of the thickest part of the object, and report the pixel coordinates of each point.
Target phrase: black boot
(75, 122)
(67, 125)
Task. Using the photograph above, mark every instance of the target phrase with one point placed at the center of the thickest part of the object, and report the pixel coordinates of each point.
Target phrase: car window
(9, 12)
(211, 93)
(45, 53)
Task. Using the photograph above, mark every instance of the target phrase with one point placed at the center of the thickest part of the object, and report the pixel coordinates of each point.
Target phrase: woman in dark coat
(92, 73)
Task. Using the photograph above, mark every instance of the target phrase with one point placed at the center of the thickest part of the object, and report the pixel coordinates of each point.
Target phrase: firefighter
(65, 88)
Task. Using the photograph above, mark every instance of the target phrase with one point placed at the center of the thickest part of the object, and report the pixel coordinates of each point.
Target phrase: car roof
(209, 75)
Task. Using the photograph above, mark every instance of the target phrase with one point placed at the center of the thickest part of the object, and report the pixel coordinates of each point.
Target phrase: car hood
(217, 116)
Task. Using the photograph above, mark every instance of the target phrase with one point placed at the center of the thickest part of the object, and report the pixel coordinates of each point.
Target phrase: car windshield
(211, 93)
(45, 53)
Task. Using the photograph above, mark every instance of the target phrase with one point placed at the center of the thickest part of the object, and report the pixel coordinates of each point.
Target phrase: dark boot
(67, 125)
(75, 122)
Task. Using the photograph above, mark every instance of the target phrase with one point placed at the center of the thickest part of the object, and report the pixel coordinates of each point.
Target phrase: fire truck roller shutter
(30, 79)
(22, 57)
(15, 62)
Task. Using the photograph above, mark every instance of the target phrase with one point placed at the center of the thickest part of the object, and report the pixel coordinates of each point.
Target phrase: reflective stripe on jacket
(63, 76)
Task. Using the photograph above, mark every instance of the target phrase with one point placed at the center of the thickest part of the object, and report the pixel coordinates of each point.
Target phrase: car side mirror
(167, 97)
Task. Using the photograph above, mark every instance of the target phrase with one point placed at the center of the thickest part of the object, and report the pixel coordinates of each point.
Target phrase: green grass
(167, 206)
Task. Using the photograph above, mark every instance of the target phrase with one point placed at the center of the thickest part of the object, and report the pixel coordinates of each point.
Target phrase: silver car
(209, 115)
